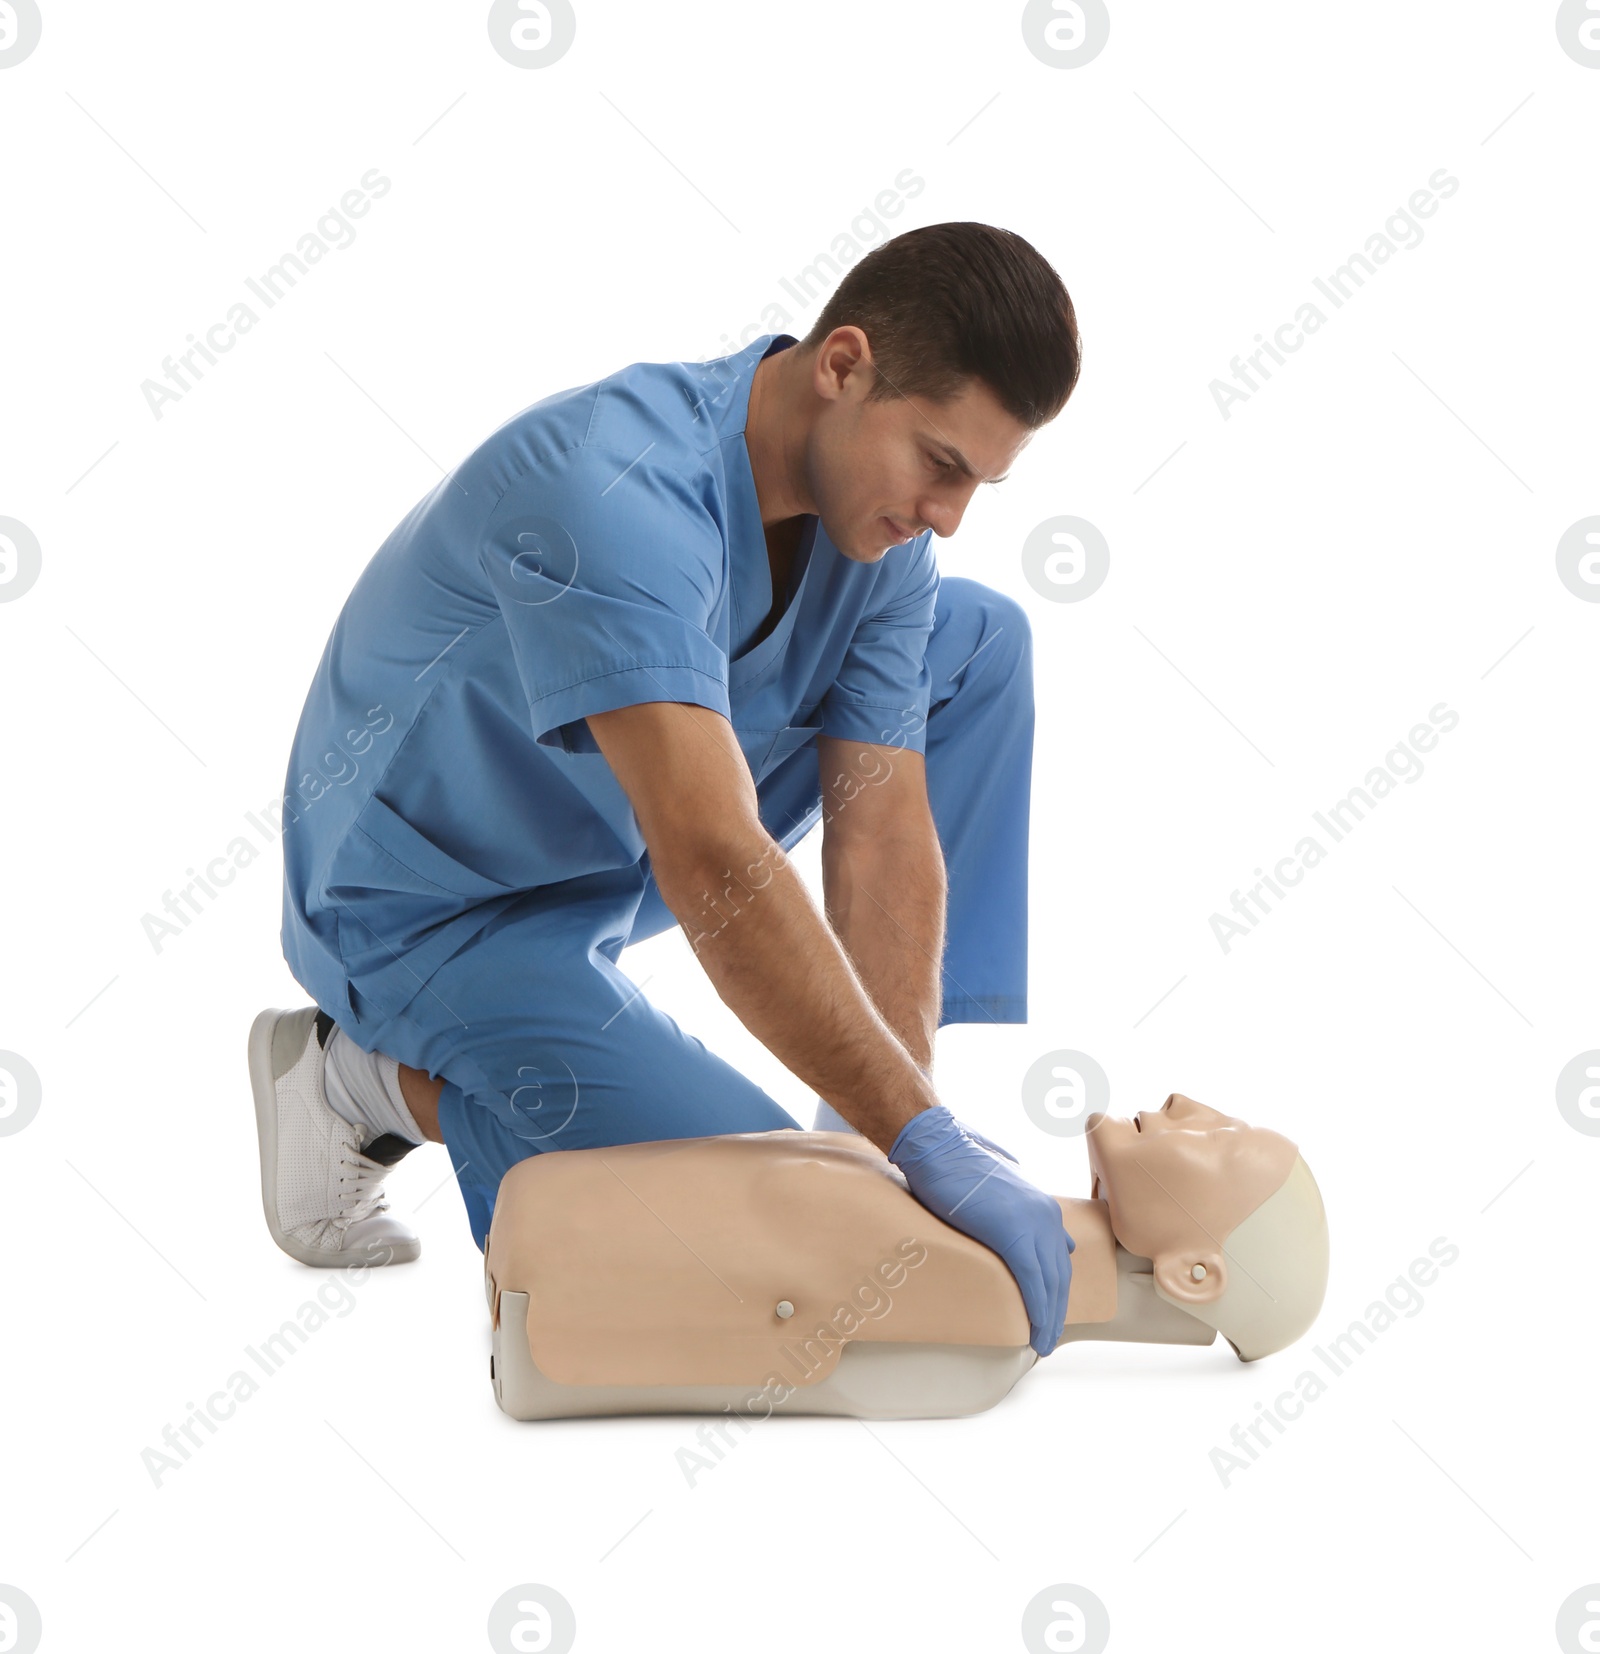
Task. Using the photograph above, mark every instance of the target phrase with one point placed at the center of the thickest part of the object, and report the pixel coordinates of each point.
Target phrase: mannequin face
(1178, 1180)
(1181, 1132)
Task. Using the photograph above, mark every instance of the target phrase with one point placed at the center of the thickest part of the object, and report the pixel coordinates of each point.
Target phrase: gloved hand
(962, 1182)
(830, 1119)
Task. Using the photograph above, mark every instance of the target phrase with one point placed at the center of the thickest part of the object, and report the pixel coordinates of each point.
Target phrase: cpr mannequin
(792, 1271)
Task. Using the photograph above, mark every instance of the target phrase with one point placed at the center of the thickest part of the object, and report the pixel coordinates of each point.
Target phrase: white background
(1290, 590)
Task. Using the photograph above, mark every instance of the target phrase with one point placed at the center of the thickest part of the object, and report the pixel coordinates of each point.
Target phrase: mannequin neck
(1113, 1294)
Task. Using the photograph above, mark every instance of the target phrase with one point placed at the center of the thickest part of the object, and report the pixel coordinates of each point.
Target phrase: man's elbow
(910, 840)
(712, 870)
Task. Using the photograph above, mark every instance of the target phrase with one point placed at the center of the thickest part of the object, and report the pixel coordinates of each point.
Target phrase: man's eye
(942, 466)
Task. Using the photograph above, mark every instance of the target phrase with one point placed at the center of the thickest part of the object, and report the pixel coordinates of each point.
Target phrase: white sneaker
(321, 1186)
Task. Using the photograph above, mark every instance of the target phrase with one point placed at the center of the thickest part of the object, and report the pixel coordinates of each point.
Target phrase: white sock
(363, 1087)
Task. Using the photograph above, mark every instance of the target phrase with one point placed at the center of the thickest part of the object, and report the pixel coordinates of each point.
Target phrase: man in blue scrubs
(597, 682)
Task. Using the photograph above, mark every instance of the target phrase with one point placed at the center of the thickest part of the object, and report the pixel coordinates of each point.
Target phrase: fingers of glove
(1043, 1242)
(1064, 1289)
(1022, 1259)
(1023, 1225)
(1056, 1271)
(1055, 1264)
(985, 1198)
(1045, 1329)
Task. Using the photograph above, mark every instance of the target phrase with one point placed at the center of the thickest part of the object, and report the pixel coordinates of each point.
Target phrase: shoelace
(360, 1187)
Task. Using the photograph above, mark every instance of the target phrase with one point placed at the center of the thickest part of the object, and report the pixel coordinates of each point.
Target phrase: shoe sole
(277, 1040)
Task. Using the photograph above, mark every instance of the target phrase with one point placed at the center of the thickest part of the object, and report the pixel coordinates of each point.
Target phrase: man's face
(882, 472)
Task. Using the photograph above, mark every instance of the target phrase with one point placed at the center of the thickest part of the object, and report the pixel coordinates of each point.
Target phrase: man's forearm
(777, 964)
(885, 899)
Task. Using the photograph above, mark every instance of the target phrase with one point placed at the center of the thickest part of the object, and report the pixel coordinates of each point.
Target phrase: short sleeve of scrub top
(883, 688)
(608, 571)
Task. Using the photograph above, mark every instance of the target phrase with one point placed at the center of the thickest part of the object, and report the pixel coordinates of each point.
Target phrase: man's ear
(1175, 1274)
(844, 352)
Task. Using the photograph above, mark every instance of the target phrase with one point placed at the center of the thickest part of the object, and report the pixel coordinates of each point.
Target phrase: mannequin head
(1227, 1213)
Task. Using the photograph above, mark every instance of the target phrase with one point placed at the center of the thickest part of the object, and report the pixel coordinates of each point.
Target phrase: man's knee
(979, 627)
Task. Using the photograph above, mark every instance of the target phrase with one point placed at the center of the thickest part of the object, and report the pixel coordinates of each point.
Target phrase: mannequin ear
(1175, 1274)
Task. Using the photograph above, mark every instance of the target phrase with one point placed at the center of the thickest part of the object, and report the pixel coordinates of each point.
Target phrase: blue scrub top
(602, 548)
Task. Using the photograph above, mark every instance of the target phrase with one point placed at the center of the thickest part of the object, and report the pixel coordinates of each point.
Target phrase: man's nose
(943, 514)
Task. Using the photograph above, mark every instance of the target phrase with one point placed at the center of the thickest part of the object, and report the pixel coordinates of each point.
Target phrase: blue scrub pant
(543, 1043)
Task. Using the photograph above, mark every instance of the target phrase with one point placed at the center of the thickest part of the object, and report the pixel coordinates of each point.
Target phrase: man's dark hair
(950, 302)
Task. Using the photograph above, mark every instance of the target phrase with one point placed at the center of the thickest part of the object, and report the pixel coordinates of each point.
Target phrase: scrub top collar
(752, 572)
